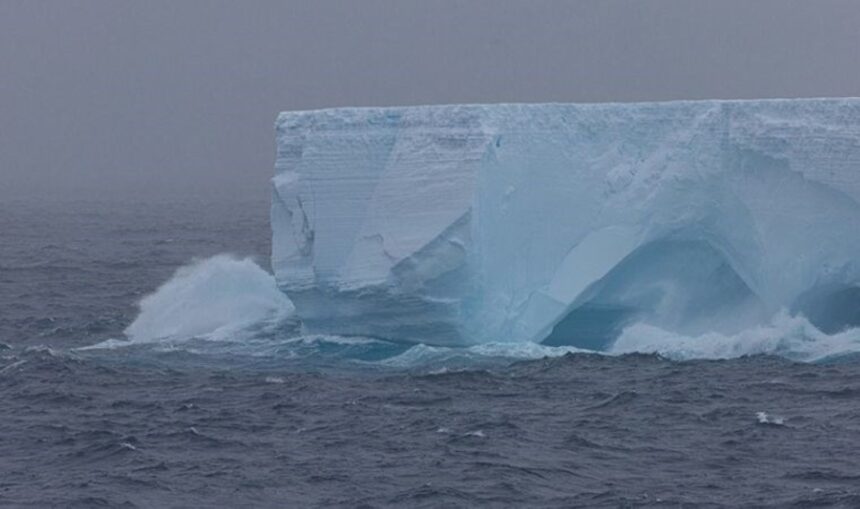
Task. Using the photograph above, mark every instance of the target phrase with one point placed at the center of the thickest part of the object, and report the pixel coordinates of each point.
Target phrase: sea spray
(792, 337)
(211, 298)
(230, 299)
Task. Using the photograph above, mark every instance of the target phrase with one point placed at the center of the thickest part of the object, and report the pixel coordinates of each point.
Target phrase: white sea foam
(765, 418)
(233, 300)
(792, 337)
(215, 298)
(522, 350)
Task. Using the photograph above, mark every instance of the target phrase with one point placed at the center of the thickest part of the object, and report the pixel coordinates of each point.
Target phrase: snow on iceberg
(566, 223)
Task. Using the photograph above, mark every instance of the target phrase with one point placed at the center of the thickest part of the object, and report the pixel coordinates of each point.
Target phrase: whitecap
(792, 337)
(219, 299)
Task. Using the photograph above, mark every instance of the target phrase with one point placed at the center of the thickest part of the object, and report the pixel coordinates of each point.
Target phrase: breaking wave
(232, 307)
(792, 337)
(219, 298)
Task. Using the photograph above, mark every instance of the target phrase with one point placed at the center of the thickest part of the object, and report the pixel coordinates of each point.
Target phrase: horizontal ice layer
(564, 223)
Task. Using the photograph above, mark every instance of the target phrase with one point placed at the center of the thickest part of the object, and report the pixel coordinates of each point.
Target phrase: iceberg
(567, 223)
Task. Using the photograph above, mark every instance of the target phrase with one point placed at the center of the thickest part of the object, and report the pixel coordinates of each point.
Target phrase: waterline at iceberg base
(568, 223)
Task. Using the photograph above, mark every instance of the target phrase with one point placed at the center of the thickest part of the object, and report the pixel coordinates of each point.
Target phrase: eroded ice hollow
(564, 223)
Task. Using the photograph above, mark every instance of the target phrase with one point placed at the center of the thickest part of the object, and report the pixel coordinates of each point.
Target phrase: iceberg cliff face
(565, 223)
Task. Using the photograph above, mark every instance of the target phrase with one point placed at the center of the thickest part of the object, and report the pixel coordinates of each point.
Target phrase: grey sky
(127, 98)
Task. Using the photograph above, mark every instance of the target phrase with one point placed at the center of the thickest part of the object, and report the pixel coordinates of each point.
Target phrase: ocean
(146, 362)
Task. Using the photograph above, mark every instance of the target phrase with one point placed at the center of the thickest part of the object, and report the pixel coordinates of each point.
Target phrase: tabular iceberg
(564, 223)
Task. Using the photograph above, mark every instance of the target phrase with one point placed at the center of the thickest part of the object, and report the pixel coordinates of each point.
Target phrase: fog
(165, 98)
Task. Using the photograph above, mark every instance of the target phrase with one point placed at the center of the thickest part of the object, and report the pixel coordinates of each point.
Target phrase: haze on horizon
(143, 99)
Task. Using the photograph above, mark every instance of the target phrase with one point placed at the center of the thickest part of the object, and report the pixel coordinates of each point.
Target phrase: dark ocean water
(270, 418)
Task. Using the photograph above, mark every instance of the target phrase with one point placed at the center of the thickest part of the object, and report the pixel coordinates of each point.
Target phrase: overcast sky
(144, 98)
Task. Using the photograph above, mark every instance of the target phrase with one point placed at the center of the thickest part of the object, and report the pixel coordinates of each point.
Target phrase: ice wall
(565, 223)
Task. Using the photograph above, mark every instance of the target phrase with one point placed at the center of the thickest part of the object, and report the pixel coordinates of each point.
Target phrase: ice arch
(681, 285)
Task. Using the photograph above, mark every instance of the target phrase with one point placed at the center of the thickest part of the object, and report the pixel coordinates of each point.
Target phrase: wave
(218, 298)
(425, 355)
(228, 306)
(792, 337)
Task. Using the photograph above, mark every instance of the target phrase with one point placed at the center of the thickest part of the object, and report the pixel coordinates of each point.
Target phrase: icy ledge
(565, 223)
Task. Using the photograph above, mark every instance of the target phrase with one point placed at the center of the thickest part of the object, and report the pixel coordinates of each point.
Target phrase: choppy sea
(146, 360)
